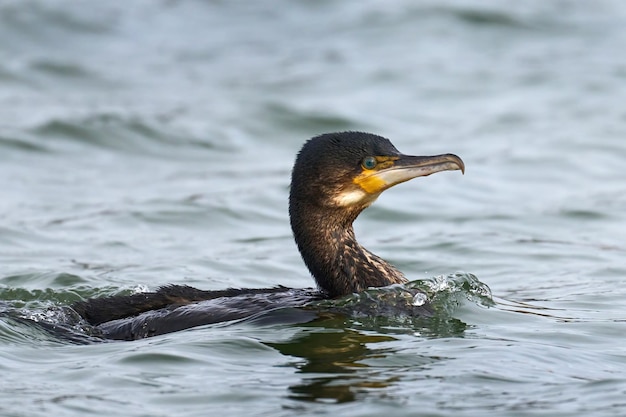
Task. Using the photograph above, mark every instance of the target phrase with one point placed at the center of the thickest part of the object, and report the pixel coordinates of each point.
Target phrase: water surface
(148, 144)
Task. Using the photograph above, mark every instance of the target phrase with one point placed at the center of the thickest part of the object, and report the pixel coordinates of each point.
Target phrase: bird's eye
(369, 162)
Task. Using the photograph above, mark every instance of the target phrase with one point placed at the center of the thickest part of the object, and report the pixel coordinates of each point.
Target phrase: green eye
(369, 162)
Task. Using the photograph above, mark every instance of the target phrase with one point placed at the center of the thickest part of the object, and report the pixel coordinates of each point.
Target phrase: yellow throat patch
(368, 179)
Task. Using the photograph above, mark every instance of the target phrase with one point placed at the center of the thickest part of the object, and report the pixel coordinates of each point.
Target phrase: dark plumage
(322, 228)
(334, 178)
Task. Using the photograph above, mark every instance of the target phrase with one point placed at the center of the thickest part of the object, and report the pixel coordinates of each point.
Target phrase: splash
(428, 303)
(447, 292)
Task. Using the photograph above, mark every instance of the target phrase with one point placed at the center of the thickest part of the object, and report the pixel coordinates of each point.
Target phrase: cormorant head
(349, 170)
(335, 177)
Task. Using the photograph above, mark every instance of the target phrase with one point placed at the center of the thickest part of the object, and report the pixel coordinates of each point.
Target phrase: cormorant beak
(409, 167)
(395, 170)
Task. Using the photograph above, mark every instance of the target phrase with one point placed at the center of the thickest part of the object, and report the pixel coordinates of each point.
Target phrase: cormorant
(334, 178)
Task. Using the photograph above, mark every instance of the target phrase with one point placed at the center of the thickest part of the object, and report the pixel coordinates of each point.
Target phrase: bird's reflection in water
(336, 356)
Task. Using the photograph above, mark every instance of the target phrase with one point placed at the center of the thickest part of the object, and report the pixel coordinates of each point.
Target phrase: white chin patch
(349, 198)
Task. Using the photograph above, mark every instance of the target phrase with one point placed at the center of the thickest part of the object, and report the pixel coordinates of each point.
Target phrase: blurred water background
(150, 142)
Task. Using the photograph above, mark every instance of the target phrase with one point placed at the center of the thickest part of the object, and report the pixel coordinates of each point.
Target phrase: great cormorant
(334, 178)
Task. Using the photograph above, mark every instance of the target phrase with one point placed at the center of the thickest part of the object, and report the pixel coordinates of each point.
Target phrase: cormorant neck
(339, 264)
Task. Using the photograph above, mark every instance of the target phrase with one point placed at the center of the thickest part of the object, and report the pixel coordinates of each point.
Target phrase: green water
(151, 142)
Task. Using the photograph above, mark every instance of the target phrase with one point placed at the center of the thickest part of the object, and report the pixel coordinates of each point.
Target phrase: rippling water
(151, 142)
